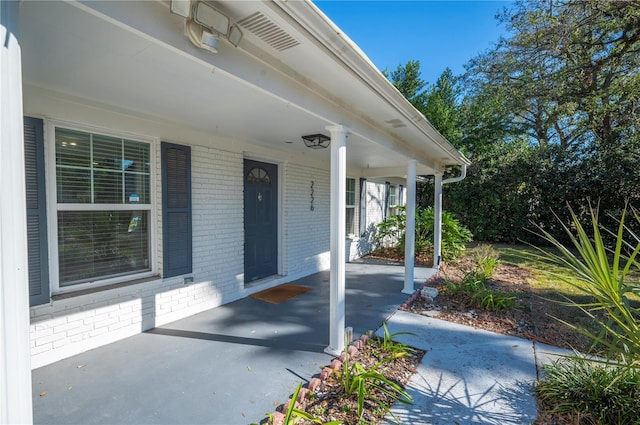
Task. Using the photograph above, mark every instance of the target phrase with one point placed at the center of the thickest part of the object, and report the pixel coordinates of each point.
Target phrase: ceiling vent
(268, 31)
(396, 123)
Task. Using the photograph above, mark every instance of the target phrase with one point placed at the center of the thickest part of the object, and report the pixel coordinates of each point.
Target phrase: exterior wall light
(235, 35)
(181, 7)
(316, 141)
(206, 24)
(210, 18)
(201, 37)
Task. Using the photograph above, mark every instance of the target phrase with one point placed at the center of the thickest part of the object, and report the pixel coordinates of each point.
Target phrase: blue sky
(437, 33)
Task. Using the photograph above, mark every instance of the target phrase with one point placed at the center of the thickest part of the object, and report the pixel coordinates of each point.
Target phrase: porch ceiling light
(211, 18)
(316, 141)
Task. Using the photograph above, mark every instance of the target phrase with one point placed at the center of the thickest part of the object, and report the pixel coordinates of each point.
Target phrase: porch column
(410, 229)
(15, 355)
(338, 234)
(437, 221)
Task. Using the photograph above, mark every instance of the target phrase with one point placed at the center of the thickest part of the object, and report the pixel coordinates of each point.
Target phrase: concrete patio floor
(228, 365)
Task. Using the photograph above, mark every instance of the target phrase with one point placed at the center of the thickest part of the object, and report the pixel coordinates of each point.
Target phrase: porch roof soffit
(291, 83)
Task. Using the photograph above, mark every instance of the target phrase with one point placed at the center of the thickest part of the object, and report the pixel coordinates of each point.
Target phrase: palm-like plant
(355, 379)
(604, 274)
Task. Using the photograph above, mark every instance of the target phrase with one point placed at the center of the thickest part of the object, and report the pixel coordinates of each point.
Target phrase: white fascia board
(401, 172)
(341, 46)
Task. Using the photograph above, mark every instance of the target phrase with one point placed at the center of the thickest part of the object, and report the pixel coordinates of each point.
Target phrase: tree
(442, 108)
(570, 72)
(407, 80)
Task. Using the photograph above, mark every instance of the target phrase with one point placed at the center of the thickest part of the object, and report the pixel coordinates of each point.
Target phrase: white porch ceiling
(90, 52)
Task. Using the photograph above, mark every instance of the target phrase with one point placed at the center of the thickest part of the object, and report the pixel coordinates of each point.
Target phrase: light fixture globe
(316, 141)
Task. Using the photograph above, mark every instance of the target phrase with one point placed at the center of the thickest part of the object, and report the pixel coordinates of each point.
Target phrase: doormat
(281, 293)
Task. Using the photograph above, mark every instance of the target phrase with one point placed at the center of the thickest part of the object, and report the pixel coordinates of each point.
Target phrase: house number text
(311, 207)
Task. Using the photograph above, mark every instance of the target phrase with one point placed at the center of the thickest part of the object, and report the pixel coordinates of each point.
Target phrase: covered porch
(127, 70)
(228, 365)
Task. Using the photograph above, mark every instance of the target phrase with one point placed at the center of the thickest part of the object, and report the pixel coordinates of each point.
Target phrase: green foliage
(592, 392)
(392, 228)
(488, 299)
(388, 346)
(495, 200)
(603, 275)
(549, 115)
(441, 106)
(356, 380)
(454, 235)
(472, 285)
(486, 258)
(408, 82)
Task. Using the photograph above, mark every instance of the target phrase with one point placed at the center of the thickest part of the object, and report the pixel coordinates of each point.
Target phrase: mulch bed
(324, 398)
(534, 319)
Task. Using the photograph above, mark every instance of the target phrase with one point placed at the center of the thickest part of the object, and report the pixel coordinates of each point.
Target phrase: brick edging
(314, 383)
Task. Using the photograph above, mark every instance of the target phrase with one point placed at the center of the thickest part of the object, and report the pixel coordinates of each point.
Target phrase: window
(351, 206)
(393, 195)
(103, 206)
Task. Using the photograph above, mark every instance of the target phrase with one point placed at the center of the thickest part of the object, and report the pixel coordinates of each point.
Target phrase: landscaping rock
(428, 293)
(314, 384)
(278, 418)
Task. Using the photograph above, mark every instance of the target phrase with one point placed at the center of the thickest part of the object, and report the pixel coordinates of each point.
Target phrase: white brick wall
(306, 232)
(218, 226)
(66, 327)
(73, 325)
(69, 326)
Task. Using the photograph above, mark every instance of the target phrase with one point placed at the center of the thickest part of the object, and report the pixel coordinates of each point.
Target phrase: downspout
(437, 213)
(463, 174)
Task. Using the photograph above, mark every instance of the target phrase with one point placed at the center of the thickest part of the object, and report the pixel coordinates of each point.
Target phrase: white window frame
(393, 192)
(53, 207)
(352, 207)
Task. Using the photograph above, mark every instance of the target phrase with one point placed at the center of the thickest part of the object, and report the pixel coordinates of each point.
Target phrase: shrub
(472, 284)
(592, 392)
(472, 287)
(454, 235)
(486, 258)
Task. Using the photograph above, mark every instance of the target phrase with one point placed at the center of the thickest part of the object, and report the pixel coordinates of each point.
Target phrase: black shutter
(363, 207)
(36, 211)
(400, 198)
(176, 209)
(387, 186)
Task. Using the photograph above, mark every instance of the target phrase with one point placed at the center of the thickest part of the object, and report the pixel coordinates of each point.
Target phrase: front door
(260, 220)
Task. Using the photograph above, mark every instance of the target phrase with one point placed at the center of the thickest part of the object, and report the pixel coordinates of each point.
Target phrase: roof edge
(343, 48)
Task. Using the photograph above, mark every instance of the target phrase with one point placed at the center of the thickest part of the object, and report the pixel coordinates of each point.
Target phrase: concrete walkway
(469, 376)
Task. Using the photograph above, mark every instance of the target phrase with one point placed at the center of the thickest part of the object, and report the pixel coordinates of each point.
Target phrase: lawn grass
(552, 280)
